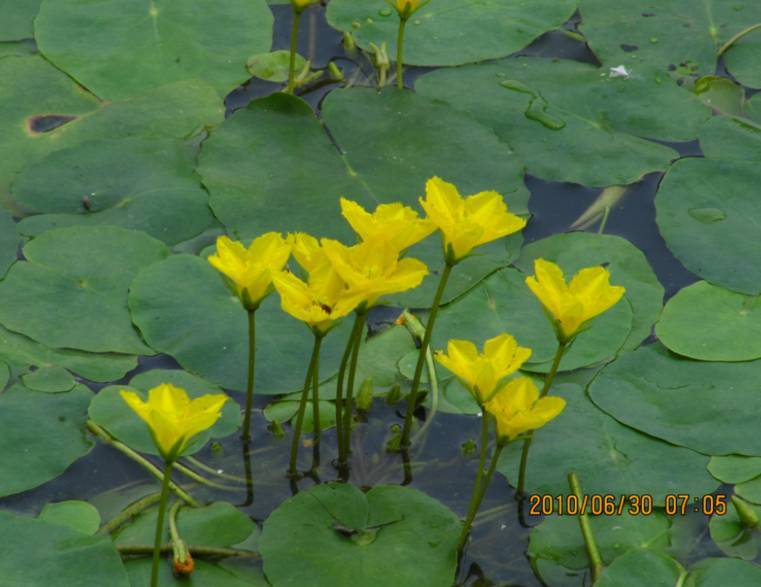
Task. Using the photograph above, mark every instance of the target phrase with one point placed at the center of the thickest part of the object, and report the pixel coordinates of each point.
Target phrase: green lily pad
(556, 546)
(735, 468)
(9, 241)
(641, 568)
(570, 121)
(72, 290)
(742, 59)
(708, 215)
(202, 324)
(731, 137)
(389, 535)
(42, 553)
(18, 16)
(248, 165)
(5, 375)
(20, 350)
(133, 183)
(732, 537)
(43, 111)
(77, 515)
(285, 410)
(43, 434)
(720, 572)
(49, 379)
(642, 33)
(274, 66)
(443, 32)
(626, 263)
(750, 490)
(681, 401)
(503, 303)
(722, 95)
(204, 573)
(111, 412)
(119, 48)
(219, 524)
(608, 457)
(710, 323)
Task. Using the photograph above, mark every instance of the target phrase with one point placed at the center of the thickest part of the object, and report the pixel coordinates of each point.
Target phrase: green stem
(340, 387)
(130, 512)
(174, 534)
(199, 551)
(294, 47)
(477, 487)
(412, 397)
(246, 434)
(728, 45)
(527, 443)
(349, 408)
(160, 524)
(316, 427)
(212, 471)
(595, 560)
(139, 459)
(400, 53)
(180, 468)
(296, 440)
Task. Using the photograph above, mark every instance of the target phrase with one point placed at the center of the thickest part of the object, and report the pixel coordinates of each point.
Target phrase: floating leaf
(720, 572)
(627, 265)
(219, 524)
(204, 573)
(19, 350)
(641, 568)
(272, 166)
(9, 241)
(557, 549)
(49, 379)
(708, 407)
(77, 515)
(43, 434)
(503, 303)
(202, 324)
(708, 215)
(603, 116)
(732, 536)
(443, 32)
(119, 48)
(710, 323)
(730, 137)
(284, 410)
(274, 66)
(42, 553)
(133, 183)
(5, 375)
(609, 457)
(42, 110)
(389, 535)
(110, 411)
(72, 290)
(735, 468)
(18, 16)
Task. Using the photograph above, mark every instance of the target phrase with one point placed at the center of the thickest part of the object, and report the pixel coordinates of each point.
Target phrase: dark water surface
(496, 555)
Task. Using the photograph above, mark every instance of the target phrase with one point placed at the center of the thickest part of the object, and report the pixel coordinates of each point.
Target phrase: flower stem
(246, 434)
(400, 53)
(130, 512)
(728, 45)
(196, 550)
(294, 47)
(296, 440)
(139, 459)
(316, 427)
(595, 560)
(527, 443)
(340, 387)
(160, 524)
(477, 487)
(349, 408)
(412, 397)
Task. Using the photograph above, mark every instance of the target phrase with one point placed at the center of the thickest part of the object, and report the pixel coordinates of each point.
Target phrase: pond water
(442, 467)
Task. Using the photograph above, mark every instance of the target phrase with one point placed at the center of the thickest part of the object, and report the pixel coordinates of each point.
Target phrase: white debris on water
(619, 71)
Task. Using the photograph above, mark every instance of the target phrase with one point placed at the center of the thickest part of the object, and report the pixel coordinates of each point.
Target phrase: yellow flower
(395, 223)
(408, 7)
(324, 298)
(372, 269)
(466, 223)
(300, 5)
(173, 418)
(588, 295)
(250, 270)
(481, 372)
(517, 408)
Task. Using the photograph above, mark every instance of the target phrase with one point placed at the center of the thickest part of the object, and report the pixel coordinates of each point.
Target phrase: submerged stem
(246, 433)
(296, 440)
(349, 408)
(477, 487)
(340, 388)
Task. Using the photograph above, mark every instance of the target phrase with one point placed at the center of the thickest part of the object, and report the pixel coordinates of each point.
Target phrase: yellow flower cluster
(341, 278)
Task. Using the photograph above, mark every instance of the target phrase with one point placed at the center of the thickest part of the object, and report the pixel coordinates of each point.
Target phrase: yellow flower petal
(517, 408)
(395, 224)
(571, 306)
